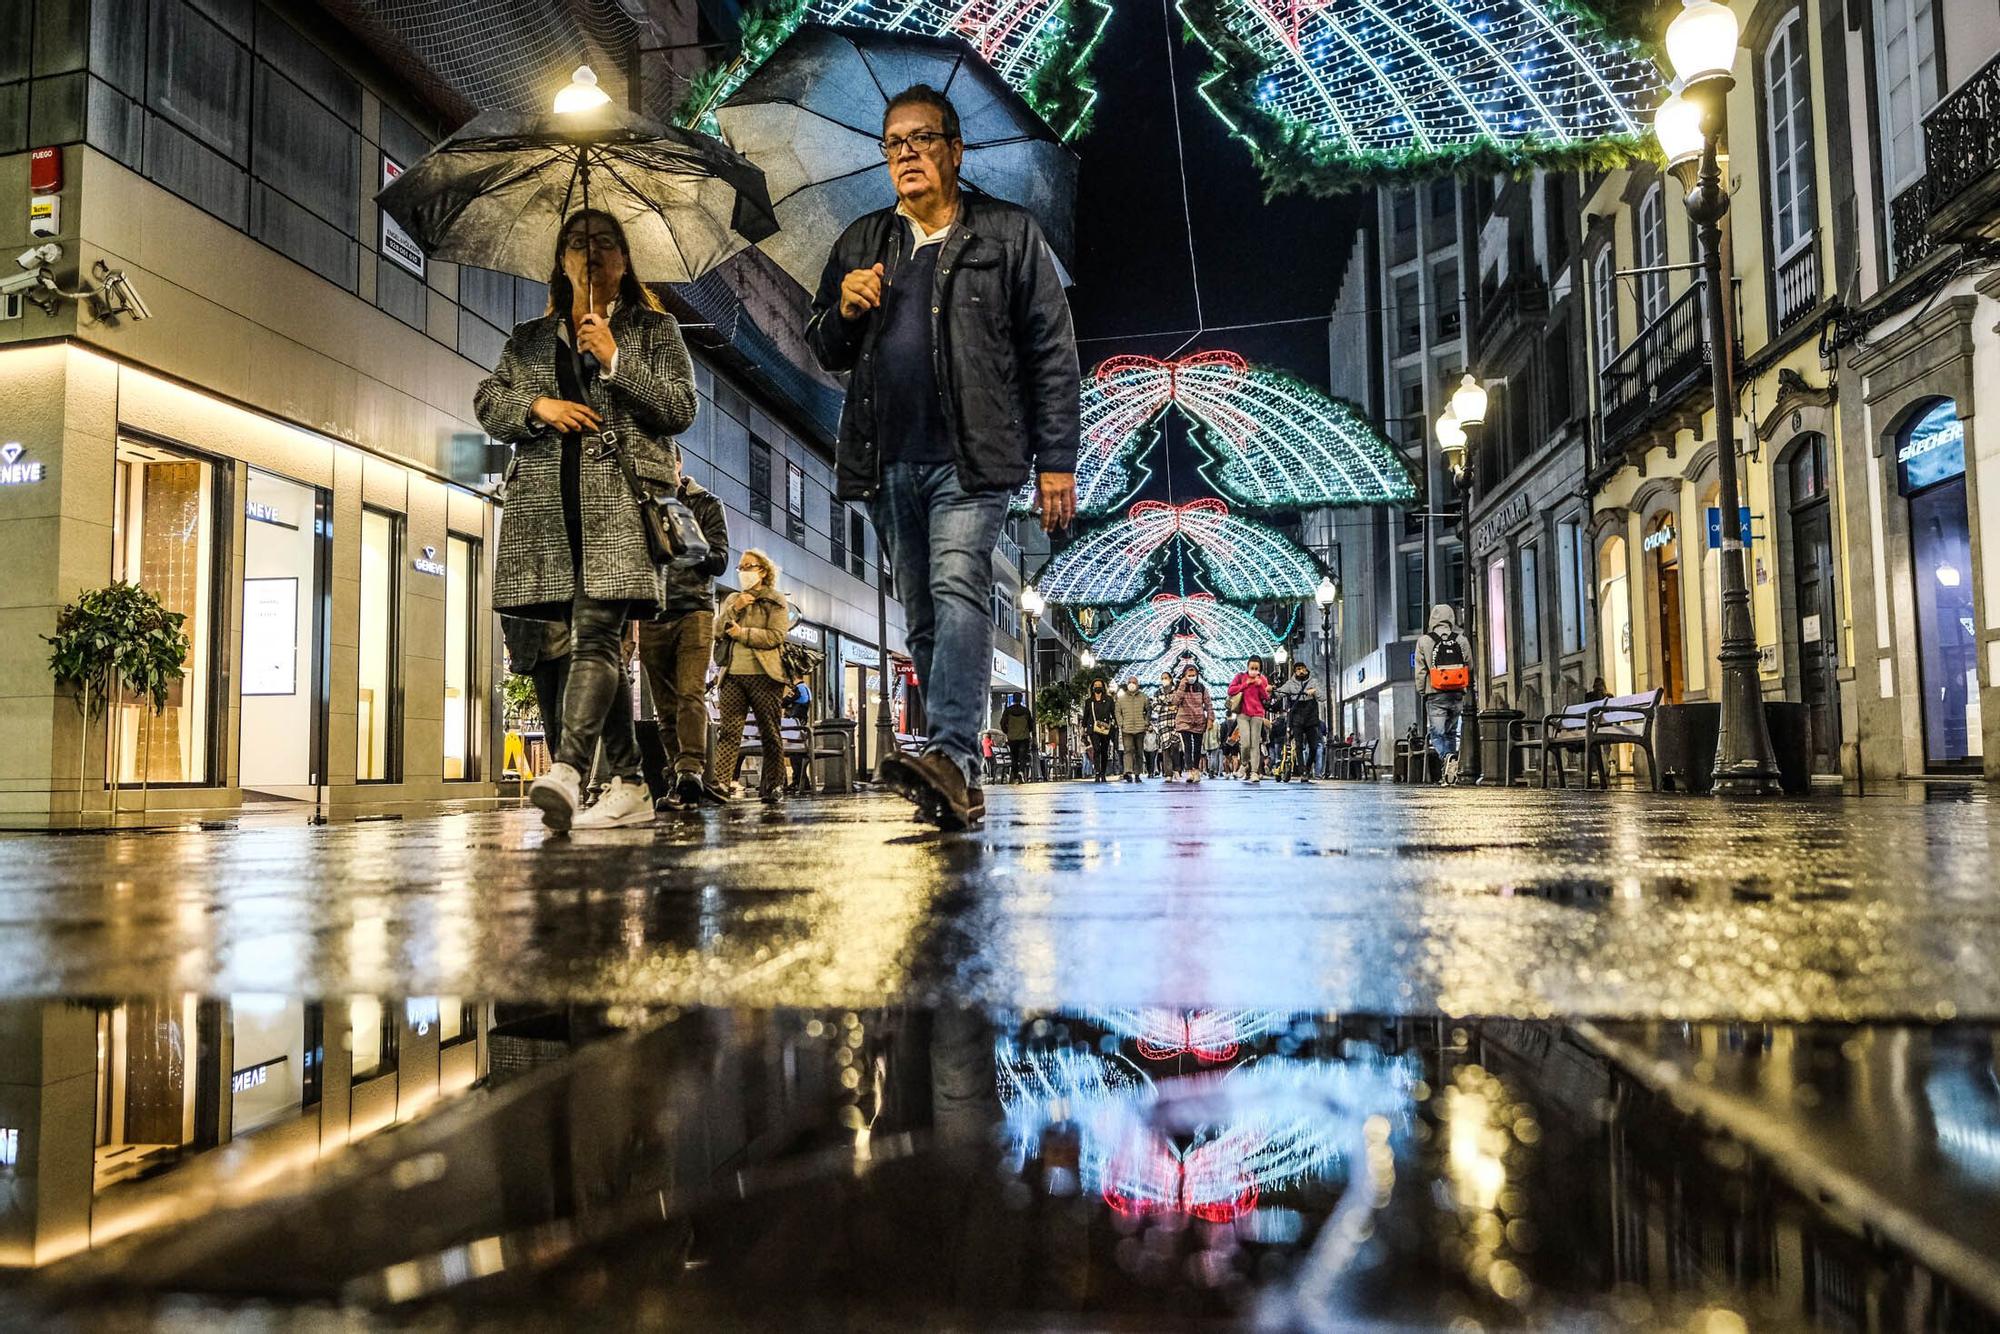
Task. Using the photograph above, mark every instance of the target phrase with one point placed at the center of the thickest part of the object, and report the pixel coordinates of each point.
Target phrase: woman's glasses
(602, 242)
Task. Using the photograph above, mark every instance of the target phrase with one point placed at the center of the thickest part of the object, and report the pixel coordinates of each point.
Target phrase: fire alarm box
(45, 215)
(45, 171)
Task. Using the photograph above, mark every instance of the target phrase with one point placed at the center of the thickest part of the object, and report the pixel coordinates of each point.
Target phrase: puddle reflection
(1144, 1168)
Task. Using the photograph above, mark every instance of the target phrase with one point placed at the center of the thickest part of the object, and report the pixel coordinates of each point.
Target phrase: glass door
(163, 539)
(1813, 606)
(284, 624)
(1947, 647)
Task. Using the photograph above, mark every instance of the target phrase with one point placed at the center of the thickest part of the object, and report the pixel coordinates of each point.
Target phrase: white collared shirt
(562, 332)
(919, 238)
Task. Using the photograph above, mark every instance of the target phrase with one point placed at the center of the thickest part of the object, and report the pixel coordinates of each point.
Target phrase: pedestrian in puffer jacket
(1194, 714)
(1133, 710)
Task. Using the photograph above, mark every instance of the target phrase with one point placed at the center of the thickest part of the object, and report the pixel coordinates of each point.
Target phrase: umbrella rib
(636, 193)
(449, 219)
(817, 182)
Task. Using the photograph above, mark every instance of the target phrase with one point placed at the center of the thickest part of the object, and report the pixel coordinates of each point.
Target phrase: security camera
(41, 256)
(116, 295)
(20, 282)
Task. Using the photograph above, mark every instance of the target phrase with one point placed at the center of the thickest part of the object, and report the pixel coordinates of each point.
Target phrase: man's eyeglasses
(602, 242)
(923, 141)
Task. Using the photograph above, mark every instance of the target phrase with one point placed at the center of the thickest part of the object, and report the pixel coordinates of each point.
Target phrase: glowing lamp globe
(1677, 125)
(1451, 439)
(1468, 402)
(1326, 592)
(1701, 42)
(1089, 660)
(581, 94)
(1279, 655)
(1031, 602)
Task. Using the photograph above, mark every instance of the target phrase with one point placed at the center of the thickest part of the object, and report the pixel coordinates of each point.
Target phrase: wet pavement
(1129, 1059)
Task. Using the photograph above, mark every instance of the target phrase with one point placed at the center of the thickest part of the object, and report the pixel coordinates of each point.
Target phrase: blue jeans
(1445, 714)
(940, 540)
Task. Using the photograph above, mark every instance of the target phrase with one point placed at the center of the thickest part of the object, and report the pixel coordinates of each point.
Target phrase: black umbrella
(496, 193)
(811, 118)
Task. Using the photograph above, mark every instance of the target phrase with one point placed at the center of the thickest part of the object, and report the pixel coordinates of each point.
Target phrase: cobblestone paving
(1342, 897)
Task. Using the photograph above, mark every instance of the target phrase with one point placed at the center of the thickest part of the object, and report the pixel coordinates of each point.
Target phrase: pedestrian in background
(948, 316)
(539, 650)
(675, 649)
(1134, 712)
(1194, 719)
(1444, 680)
(603, 375)
(1297, 702)
(1250, 701)
(1100, 725)
(1163, 725)
(1018, 726)
(748, 635)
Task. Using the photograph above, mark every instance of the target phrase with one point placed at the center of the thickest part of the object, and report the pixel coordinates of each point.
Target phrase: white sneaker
(557, 794)
(1450, 770)
(623, 803)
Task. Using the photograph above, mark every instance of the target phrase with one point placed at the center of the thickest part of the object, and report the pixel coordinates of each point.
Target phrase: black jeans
(550, 675)
(1100, 756)
(1017, 759)
(597, 703)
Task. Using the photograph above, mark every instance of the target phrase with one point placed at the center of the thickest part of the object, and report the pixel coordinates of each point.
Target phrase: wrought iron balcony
(1962, 160)
(1910, 239)
(1798, 285)
(1521, 295)
(1662, 369)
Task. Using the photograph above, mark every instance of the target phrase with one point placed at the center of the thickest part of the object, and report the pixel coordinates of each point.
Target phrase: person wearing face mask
(1132, 709)
(1194, 715)
(600, 381)
(749, 631)
(1100, 724)
(1297, 702)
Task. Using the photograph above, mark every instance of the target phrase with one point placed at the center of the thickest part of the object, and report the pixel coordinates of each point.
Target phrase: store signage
(428, 563)
(1009, 670)
(862, 654)
(263, 513)
(809, 635)
(14, 472)
(1659, 537)
(1715, 526)
(397, 243)
(1495, 526)
(255, 1076)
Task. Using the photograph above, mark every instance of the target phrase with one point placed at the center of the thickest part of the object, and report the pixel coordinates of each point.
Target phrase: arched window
(1614, 616)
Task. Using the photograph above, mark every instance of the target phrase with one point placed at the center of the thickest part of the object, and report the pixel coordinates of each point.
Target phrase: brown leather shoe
(900, 774)
(954, 807)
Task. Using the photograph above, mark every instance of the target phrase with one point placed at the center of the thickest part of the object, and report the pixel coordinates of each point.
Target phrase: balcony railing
(1962, 157)
(1663, 365)
(1522, 294)
(1910, 241)
(1798, 285)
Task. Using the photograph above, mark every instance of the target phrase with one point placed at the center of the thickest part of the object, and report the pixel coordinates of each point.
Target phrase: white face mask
(751, 577)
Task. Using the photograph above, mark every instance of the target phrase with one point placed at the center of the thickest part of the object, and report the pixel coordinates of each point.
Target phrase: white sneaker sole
(558, 811)
(625, 821)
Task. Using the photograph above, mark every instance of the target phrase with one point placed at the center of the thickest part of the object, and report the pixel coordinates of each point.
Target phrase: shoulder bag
(673, 537)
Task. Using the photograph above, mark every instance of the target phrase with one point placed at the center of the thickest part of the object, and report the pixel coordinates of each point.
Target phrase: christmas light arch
(1215, 672)
(1241, 560)
(1227, 631)
(1271, 441)
(1042, 48)
(1333, 94)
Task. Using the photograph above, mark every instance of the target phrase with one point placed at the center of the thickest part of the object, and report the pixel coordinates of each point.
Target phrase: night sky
(1258, 261)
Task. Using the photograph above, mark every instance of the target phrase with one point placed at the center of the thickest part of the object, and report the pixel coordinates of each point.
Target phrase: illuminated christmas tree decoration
(1040, 47)
(1272, 442)
(1139, 633)
(1210, 1036)
(1331, 94)
(1239, 560)
(1215, 672)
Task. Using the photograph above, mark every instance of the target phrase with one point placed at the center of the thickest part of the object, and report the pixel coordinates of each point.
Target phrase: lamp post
(1454, 437)
(1326, 594)
(1701, 43)
(1032, 607)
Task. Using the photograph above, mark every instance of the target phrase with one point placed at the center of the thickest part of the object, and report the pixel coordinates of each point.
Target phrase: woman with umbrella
(603, 372)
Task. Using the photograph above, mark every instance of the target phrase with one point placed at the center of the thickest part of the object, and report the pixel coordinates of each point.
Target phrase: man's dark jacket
(1000, 332)
(689, 588)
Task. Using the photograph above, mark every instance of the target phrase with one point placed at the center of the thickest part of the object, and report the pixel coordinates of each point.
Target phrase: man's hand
(1058, 496)
(860, 292)
(565, 416)
(593, 335)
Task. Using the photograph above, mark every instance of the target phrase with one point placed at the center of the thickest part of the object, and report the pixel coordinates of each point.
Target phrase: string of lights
(1227, 631)
(1239, 559)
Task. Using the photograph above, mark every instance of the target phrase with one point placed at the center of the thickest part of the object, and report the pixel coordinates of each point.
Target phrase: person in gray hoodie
(1444, 684)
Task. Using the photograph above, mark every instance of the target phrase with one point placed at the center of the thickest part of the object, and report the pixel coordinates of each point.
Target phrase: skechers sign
(428, 563)
(13, 471)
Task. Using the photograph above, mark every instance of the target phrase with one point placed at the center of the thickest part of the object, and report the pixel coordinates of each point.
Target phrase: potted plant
(111, 640)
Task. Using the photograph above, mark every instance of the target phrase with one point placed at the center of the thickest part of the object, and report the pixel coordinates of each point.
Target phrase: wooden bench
(1590, 728)
(796, 736)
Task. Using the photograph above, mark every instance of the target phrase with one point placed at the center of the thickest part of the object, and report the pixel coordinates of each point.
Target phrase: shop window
(158, 1069)
(857, 545)
(1531, 605)
(1569, 586)
(266, 1080)
(1614, 617)
(164, 539)
(1930, 465)
(760, 481)
(1663, 553)
(836, 527)
(284, 565)
(378, 728)
(372, 1038)
(461, 697)
(1496, 617)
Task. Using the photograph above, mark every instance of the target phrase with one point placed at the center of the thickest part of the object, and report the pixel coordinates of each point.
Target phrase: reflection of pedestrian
(539, 650)
(747, 638)
(575, 391)
(675, 648)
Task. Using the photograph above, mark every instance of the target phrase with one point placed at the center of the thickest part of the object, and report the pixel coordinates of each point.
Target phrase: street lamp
(1702, 42)
(1468, 409)
(1087, 659)
(1326, 594)
(1279, 655)
(1032, 607)
(581, 93)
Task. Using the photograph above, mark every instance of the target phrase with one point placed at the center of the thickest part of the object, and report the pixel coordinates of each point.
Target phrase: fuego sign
(13, 472)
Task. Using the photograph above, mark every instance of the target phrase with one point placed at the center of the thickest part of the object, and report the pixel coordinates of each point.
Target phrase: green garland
(1060, 89)
(1292, 157)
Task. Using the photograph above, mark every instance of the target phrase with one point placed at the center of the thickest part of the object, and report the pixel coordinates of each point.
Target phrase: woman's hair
(756, 556)
(631, 292)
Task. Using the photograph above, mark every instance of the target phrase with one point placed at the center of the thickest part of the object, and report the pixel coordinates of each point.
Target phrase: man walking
(948, 315)
(1444, 675)
(1297, 702)
(1134, 712)
(675, 649)
(539, 650)
(1250, 698)
(1018, 726)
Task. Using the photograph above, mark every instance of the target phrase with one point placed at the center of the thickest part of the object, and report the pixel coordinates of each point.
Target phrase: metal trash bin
(834, 770)
(1790, 726)
(1497, 766)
